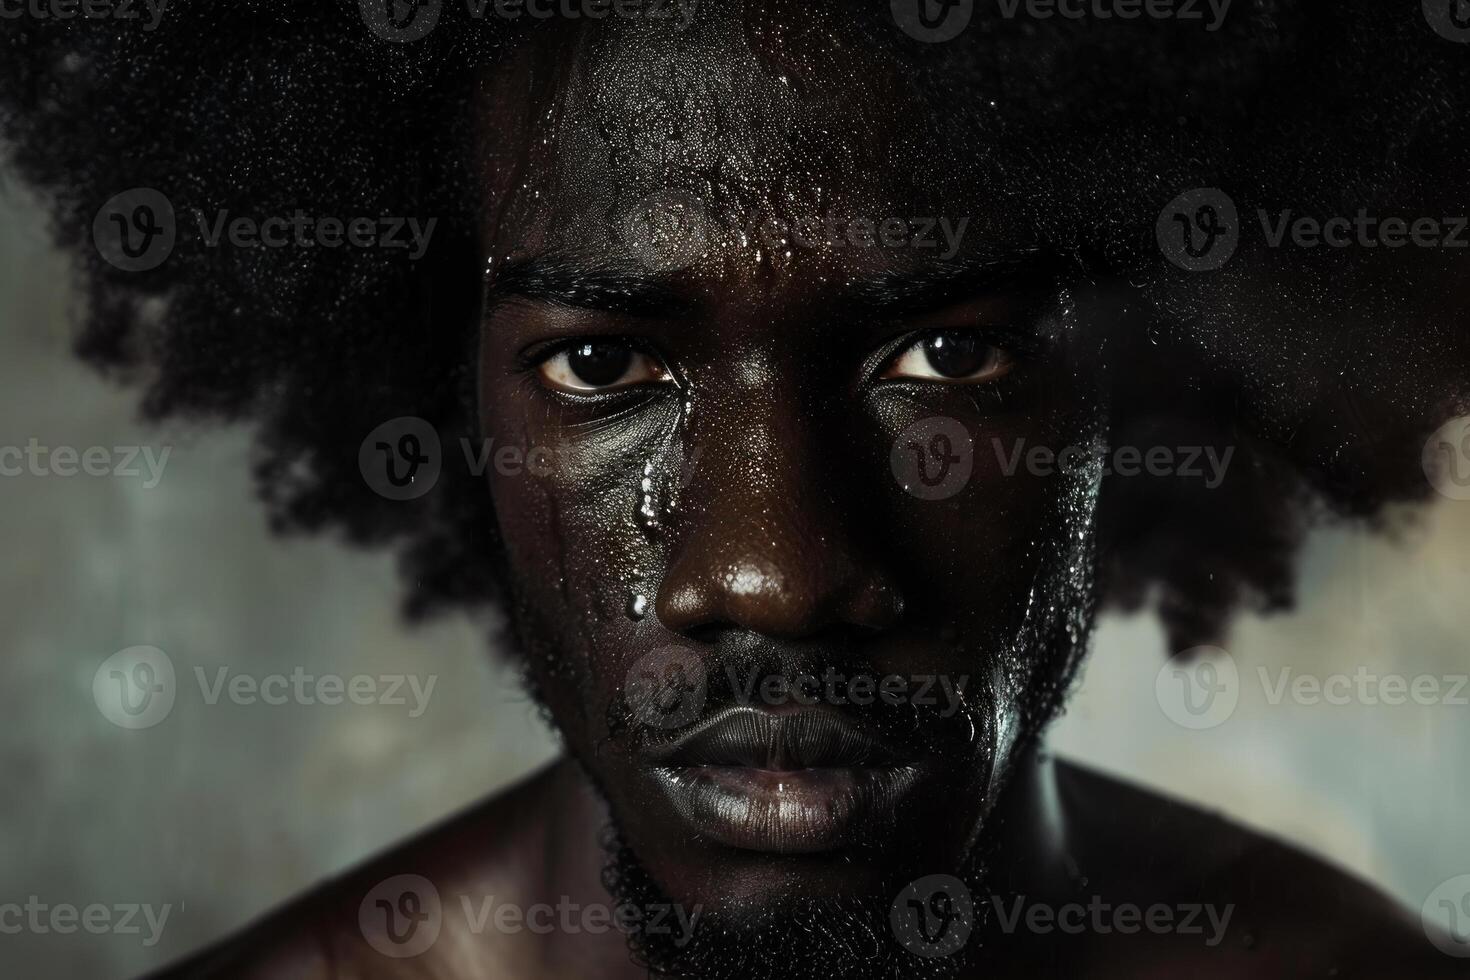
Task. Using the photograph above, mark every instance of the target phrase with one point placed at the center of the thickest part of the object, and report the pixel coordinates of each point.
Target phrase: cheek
(580, 549)
(971, 509)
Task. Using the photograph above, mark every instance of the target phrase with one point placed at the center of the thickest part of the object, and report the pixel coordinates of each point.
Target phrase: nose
(767, 545)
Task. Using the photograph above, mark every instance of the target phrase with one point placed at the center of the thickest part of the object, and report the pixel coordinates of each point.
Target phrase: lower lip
(799, 811)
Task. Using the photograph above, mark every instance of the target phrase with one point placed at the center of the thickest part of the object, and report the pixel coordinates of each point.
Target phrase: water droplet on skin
(637, 606)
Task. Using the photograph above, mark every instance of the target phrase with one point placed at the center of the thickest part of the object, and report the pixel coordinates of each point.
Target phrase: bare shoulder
(1263, 907)
(378, 920)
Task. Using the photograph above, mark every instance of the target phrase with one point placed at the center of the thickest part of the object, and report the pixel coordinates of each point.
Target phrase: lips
(797, 782)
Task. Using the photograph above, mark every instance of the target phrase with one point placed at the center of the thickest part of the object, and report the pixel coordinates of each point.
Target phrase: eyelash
(532, 361)
(1012, 346)
(538, 354)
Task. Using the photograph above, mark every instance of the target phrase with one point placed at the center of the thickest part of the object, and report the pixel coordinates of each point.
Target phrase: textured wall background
(222, 810)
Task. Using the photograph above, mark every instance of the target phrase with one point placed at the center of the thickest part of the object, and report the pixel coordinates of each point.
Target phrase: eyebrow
(636, 291)
(603, 287)
(938, 285)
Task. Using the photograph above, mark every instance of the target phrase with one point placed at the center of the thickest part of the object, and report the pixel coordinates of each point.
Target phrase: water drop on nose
(637, 606)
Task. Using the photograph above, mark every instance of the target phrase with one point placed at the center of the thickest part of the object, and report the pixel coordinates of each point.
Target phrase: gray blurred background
(221, 811)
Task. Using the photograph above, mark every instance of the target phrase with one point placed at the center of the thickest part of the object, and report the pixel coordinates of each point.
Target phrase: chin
(770, 916)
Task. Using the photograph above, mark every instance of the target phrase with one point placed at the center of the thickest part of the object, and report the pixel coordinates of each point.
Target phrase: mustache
(671, 691)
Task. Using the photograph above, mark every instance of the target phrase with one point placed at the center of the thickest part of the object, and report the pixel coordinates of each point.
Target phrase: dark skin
(1296, 916)
(723, 418)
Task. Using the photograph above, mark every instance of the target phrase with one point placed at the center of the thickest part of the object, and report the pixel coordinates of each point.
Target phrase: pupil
(599, 362)
(957, 354)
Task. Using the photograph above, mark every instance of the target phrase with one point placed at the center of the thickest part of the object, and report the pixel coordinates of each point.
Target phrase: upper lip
(758, 739)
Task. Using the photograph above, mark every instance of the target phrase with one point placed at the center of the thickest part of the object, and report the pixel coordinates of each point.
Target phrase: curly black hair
(1327, 372)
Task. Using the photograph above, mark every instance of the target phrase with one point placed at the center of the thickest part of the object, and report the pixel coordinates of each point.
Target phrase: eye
(600, 365)
(953, 356)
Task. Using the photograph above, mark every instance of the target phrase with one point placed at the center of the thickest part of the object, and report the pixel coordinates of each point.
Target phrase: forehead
(780, 110)
(728, 145)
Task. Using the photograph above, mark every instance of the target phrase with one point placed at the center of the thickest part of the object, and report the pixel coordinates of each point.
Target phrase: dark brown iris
(956, 354)
(599, 363)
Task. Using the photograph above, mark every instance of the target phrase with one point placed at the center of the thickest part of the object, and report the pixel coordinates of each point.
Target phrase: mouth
(795, 782)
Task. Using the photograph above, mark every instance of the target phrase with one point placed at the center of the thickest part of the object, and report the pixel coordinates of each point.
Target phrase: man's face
(786, 580)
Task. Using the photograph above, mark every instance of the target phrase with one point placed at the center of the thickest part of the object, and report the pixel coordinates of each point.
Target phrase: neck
(1031, 853)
